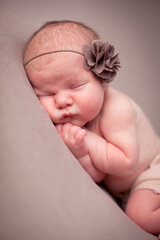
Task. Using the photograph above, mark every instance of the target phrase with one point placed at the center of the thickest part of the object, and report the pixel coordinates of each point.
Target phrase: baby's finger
(65, 131)
(66, 128)
(80, 135)
(77, 134)
(73, 131)
(59, 128)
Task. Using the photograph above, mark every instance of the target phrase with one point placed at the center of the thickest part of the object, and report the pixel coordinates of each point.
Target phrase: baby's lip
(66, 115)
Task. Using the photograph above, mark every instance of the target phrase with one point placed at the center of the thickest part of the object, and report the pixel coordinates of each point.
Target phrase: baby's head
(74, 36)
(66, 64)
(58, 35)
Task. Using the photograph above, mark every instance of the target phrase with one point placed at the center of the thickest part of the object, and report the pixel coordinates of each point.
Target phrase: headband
(99, 58)
(46, 53)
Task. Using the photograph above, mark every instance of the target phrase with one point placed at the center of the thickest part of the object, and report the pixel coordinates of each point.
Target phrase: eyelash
(49, 95)
(78, 85)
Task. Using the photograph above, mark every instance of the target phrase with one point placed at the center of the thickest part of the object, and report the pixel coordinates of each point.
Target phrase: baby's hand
(74, 138)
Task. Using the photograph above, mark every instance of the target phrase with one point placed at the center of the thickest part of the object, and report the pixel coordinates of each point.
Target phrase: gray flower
(101, 60)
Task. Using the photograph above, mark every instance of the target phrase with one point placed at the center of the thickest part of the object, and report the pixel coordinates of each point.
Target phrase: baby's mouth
(66, 115)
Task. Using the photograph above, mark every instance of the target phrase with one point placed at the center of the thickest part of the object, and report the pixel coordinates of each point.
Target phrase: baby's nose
(63, 100)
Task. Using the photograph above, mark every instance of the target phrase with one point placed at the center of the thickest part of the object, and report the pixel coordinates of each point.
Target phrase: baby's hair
(55, 35)
(68, 23)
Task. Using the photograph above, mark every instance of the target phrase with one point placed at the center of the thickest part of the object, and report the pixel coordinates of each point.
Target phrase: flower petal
(96, 46)
(90, 58)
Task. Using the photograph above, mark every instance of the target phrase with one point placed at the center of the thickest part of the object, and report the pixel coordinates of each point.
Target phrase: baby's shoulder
(116, 102)
(118, 109)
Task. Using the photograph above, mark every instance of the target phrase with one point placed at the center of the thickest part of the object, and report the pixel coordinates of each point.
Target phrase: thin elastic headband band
(42, 54)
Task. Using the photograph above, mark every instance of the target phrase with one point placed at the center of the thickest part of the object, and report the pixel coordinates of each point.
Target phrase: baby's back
(148, 141)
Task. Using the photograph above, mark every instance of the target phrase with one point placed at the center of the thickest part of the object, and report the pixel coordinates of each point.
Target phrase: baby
(70, 69)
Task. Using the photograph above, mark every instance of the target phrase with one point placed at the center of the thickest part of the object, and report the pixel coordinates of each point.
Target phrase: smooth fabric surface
(44, 192)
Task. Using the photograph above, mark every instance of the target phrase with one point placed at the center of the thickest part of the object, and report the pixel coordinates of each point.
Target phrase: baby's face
(67, 91)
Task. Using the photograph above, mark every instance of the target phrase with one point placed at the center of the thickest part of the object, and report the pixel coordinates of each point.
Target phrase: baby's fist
(74, 138)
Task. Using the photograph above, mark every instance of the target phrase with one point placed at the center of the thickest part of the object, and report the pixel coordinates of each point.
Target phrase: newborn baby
(70, 69)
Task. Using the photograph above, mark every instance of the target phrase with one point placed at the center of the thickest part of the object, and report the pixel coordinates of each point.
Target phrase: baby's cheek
(92, 109)
(48, 106)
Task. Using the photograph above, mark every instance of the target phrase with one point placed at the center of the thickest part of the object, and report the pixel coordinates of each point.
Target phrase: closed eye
(77, 85)
(45, 95)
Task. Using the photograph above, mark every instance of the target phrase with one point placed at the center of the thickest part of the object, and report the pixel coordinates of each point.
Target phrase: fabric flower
(100, 58)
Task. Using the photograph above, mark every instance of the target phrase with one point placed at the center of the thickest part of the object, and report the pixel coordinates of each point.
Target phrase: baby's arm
(115, 156)
(75, 139)
(117, 152)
